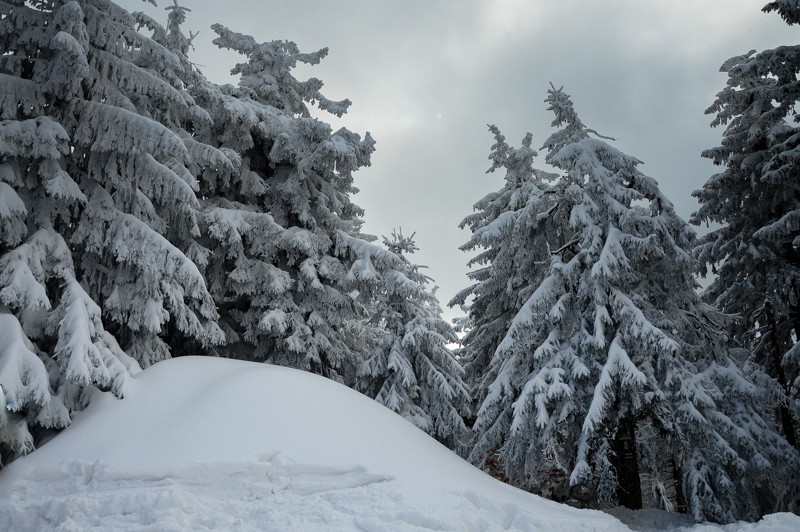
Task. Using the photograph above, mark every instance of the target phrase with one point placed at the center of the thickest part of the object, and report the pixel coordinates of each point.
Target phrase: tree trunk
(784, 414)
(680, 501)
(626, 462)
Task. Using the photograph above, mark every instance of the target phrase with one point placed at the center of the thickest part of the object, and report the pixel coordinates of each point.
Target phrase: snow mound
(212, 444)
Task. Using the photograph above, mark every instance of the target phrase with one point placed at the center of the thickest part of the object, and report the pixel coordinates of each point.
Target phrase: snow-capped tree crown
(267, 73)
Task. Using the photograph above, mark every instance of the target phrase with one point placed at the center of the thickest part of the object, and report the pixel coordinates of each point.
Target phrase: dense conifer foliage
(593, 336)
(98, 211)
(755, 201)
(147, 212)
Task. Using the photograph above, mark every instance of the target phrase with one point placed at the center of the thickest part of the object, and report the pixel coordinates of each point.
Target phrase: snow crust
(202, 443)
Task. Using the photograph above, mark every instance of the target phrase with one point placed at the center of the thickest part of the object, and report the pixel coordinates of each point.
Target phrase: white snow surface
(211, 444)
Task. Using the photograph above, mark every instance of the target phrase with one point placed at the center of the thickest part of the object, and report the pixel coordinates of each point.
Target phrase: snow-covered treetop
(400, 244)
(267, 73)
(518, 162)
(565, 115)
(176, 17)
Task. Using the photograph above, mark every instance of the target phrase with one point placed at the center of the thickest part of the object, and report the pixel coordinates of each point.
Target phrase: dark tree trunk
(626, 462)
(776, 356)
(680, 501)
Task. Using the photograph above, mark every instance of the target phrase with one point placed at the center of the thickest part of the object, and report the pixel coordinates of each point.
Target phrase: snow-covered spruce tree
(285, 252)
(412, 371)
(615, 337)
(97, 211)
(755, 199)
(277, 266)
(512, 228)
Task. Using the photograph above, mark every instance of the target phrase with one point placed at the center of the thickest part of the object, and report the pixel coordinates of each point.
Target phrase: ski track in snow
(273, 494)
(277, 494)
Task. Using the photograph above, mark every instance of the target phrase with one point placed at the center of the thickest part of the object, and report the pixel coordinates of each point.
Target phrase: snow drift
(202, 443)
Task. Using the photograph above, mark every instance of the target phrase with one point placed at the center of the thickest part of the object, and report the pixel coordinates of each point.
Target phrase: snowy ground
(211, 444)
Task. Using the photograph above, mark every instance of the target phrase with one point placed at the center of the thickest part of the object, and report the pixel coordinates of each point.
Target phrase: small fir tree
(412, 370)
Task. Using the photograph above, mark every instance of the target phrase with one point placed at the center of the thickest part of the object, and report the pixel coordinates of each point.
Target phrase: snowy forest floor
(211, 444)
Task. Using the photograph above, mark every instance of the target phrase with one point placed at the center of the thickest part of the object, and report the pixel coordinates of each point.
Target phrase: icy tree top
(268, 72)
(400, 244)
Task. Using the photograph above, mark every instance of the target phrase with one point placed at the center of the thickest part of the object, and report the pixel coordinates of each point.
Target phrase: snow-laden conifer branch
(267, 72)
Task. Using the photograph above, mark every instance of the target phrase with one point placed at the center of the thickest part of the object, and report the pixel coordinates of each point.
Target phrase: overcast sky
(427, 76)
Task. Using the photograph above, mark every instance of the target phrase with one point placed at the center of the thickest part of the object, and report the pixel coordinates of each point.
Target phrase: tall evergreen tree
(276, 262)
(280, 235)
(612, 337)
(755, 200)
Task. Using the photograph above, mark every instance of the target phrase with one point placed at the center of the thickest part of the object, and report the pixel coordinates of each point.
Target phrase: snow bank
(202, 443)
